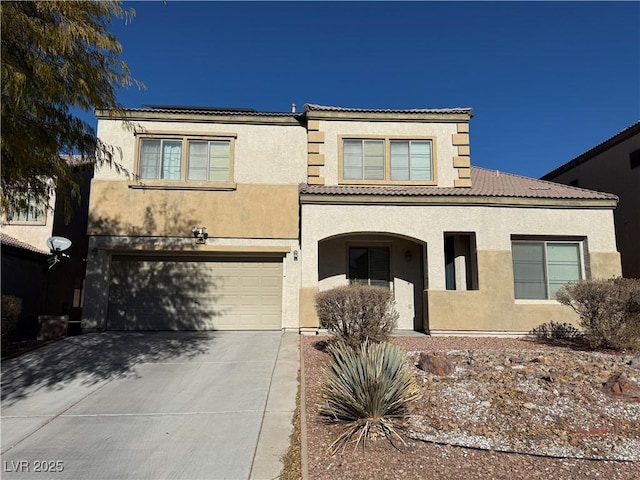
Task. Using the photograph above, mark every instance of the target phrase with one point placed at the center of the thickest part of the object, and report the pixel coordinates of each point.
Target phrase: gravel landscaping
(508, 407)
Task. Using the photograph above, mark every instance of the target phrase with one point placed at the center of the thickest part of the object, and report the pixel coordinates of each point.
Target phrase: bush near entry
(356, 313)
(609, 311)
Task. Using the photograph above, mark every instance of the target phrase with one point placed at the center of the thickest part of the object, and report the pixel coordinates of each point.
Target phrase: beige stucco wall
(307, 311)
(492, 307)
(445, 151)
(493, 226)
(610, 171)
(272, 154)
(249, 211)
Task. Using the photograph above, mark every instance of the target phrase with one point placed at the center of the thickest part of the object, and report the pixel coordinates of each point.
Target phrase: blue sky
(547, 80)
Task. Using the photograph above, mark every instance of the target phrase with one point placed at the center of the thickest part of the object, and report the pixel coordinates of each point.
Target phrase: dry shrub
(11, 309)
(356, 313)
(556, 331)
(609, 311)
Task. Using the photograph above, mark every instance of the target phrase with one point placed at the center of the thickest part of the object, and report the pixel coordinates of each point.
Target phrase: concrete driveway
(187, 405)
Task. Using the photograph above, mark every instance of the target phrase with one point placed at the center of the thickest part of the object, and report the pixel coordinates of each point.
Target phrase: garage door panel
(189, 295)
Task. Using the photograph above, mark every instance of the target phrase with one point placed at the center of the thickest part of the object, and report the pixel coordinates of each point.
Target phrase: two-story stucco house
(294, 203)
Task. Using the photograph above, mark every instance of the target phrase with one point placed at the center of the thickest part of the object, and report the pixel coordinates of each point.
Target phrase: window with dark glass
(369, 266)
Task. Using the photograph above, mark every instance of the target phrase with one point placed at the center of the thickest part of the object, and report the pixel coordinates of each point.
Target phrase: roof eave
(381, 116)
(597, 150)
(199, 117)
(461, 200)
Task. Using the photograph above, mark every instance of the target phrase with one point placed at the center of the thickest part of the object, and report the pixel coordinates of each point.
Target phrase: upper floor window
(188, 159)
(161, 159)
(387, 160)
(28, 209)
(209, 160)
(540, 268)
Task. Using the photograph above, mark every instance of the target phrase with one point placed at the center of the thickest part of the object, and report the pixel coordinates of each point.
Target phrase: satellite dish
(58, 244)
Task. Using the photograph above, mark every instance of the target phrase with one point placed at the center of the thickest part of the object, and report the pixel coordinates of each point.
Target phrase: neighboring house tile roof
(484, 183)
(14, 242)
(310, 107)
(598, 149)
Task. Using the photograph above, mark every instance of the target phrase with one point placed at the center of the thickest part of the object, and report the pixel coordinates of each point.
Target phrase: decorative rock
(619, 386)
(635, 362)
(436, 364)
(529, 406)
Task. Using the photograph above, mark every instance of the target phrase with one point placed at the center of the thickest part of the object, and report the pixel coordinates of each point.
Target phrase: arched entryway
(383, 259)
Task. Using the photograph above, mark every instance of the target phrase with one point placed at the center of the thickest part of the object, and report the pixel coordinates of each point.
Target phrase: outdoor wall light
(200, 234)
(295, 255)
(408, 256)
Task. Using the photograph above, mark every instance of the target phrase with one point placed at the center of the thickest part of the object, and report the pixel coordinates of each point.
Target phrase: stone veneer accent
(315, 159)
(462, 162)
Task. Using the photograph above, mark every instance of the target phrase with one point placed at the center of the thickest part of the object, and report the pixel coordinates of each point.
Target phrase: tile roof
(485, 183)
(14, 242)
(310, 107)
(212, 111)
(598, 149)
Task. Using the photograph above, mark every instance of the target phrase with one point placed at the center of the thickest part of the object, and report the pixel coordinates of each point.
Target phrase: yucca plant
(369, 390)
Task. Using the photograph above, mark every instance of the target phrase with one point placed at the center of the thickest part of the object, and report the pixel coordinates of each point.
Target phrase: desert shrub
(11, 309)
(556, 331)
(355, 313)
(369, 390)
(609, 311)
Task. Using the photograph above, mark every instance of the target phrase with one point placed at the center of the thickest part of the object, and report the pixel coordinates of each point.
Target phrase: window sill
(201, 186)
(531, 301)
(389, 183)
(27, 223)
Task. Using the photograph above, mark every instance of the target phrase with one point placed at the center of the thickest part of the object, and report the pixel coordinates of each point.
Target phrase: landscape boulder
(619, 386)
(435, 364)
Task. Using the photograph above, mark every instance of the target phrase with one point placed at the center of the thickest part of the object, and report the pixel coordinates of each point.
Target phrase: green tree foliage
(56, 56)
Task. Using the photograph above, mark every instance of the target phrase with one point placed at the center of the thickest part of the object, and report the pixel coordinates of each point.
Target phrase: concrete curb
(277, 422)
(304, 453)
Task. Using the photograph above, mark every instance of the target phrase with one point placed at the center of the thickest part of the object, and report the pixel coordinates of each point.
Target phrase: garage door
(182, 294)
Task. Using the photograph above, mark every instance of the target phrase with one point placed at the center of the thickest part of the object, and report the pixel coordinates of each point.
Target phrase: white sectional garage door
(161, 293)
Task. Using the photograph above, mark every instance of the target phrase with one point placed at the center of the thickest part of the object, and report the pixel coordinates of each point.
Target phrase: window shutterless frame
(369, 264)
(34, 213)
(195, 167)
(541, 267)
(391, 168)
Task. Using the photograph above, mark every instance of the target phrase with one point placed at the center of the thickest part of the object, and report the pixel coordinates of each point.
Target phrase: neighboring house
(24, 260)
(25, 266)
(295, 203)
(613, 166)
(24, 275)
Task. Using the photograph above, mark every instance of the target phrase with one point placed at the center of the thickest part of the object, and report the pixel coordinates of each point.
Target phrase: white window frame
(545, 243)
